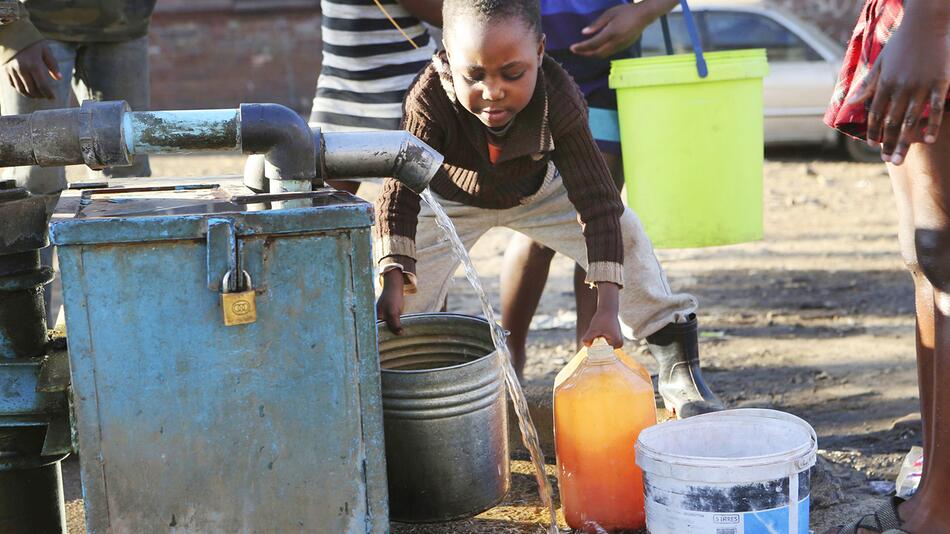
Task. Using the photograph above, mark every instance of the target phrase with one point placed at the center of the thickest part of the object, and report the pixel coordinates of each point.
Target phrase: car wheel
(859, 151)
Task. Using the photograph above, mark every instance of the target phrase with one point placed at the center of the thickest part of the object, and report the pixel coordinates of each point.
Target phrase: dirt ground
(815, 320)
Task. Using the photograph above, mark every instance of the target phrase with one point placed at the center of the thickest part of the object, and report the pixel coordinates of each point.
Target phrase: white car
(803, 65)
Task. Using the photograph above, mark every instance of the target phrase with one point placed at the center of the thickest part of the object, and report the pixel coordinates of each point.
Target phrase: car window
(730, 30)
(652, 40)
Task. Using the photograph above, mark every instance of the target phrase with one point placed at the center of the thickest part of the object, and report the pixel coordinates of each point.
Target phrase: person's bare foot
(926, 518)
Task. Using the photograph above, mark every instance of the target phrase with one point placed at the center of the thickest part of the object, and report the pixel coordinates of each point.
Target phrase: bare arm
(426, 10)
(604, 323)
(911, 76)
(620, 26)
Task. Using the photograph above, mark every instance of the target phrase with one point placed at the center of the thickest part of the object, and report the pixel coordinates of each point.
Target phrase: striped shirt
(367, 64)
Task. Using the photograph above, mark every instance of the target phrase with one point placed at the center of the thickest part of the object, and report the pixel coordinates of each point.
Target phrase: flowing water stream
(528, 433)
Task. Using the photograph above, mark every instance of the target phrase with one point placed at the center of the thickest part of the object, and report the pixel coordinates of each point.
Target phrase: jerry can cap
(600, 350)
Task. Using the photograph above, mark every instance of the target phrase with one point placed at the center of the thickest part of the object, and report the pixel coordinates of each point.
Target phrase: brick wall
(219, 53)
(216, 54)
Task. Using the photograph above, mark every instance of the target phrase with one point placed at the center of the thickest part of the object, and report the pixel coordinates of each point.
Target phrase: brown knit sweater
(553, 127)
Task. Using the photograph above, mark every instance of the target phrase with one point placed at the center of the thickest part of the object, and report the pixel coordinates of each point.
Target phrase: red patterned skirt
(877, 22)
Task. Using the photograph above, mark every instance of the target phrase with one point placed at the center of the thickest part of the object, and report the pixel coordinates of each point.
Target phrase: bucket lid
(681, 68)
(745, 445)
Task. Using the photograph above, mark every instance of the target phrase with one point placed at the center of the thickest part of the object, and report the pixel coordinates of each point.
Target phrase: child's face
(494, 68)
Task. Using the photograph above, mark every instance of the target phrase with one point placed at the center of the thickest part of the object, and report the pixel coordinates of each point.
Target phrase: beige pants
(647, 303)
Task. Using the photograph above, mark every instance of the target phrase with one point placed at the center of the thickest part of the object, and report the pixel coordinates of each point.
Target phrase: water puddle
(528, 433)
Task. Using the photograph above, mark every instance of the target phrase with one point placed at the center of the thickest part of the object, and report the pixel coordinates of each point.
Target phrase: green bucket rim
(681, 68)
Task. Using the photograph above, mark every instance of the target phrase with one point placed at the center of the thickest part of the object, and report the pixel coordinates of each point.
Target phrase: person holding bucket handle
(893, 92)
(519, 153)
(584, 37)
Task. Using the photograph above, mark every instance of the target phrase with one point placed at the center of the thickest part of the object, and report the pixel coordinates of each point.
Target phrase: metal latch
(226, 255)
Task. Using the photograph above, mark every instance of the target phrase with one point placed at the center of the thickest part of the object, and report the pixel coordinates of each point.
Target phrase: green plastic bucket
(692, 147)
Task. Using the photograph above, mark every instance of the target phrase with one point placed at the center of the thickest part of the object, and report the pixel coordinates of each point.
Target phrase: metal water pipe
(106, 134)
(296, 157)
(360, 155)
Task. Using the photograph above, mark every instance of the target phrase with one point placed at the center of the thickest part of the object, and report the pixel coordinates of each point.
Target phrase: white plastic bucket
(732, 472)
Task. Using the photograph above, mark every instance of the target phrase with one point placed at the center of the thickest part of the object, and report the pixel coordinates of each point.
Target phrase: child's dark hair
(528, 11)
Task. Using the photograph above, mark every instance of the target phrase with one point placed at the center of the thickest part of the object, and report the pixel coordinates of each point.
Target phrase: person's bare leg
(922, 189)
(929, 169)
(901, 180)
(524, 271)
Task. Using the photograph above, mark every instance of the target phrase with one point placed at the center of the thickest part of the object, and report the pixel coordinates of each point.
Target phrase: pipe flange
(28, 462)
(10, 191)
(321, 151)
(19, 282)
(101, 136)
(23, 225)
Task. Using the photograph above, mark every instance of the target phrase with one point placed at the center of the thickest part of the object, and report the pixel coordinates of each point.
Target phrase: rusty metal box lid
(135, 211)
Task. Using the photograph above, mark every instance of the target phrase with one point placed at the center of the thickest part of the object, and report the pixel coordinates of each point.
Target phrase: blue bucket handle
(693, 32)
(694, 37)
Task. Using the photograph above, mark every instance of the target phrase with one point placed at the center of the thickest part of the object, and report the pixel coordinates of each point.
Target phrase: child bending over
(519, 153)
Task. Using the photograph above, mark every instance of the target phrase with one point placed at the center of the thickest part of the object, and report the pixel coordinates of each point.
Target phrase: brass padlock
(239, 307)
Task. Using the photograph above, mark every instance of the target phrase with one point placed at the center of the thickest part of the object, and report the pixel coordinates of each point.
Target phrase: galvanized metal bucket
(445, 418)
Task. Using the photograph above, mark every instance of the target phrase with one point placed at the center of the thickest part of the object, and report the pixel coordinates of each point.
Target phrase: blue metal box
(187, 425)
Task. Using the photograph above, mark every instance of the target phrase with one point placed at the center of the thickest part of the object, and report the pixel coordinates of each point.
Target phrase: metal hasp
(34, 431)
(186, 424)
(106, 134)
(364, 155)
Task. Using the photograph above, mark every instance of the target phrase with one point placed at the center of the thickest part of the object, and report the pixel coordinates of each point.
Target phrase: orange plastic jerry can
(602, 400)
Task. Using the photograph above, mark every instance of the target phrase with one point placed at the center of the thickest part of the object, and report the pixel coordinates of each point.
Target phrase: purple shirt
(562, 22)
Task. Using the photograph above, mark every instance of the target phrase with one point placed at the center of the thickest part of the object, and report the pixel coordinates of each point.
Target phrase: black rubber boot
(681, 385)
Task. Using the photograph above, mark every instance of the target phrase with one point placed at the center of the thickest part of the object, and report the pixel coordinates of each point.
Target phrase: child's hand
(389, 305)
(604, 323)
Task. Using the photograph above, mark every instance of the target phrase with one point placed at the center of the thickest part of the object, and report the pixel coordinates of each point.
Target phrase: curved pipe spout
(398, 154)
(364, 156)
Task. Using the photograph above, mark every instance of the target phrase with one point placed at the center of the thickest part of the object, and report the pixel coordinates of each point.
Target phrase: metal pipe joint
(361, 155)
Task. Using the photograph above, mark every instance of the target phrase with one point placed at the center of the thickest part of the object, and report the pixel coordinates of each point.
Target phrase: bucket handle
(693, 32)
(694, 37)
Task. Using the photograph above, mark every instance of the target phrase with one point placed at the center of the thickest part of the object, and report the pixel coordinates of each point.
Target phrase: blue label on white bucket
(665, 520)
(775, 521)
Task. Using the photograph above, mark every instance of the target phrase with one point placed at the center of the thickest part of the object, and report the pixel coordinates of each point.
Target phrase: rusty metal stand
(34, 428)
